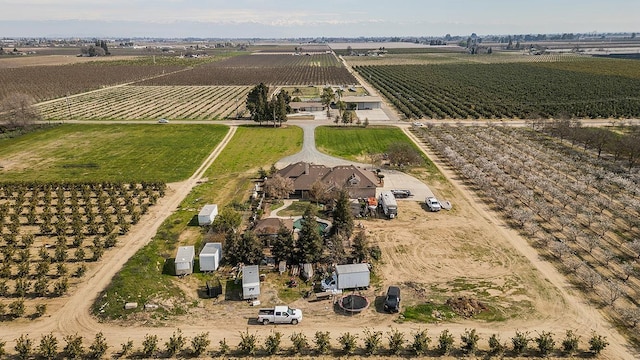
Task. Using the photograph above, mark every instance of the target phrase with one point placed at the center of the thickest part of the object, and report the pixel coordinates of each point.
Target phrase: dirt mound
(465, 306)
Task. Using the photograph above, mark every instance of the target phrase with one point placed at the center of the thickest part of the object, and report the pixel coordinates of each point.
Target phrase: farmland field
(50, 82)
(151, 102)
(108, 152)
(52, 232)
(452, 57)
(578, 213)
(595, 89)
(270, 69)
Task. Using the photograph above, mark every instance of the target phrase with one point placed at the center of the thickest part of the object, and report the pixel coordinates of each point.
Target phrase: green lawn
(73, 152)
(355, 142)
(229, 181)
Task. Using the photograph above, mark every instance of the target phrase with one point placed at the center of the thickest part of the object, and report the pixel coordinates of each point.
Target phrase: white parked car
(417, 123)
(433, 204)
(163, 121)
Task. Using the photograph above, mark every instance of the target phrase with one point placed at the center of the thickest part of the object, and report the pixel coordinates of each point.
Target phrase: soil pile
(465, 306)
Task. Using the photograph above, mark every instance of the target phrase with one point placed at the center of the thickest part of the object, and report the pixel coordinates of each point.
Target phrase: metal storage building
(210, 256)
(207, 214)
(250, 282)
(184, 260)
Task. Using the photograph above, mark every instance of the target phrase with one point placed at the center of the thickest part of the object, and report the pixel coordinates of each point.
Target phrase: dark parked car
(392, 301)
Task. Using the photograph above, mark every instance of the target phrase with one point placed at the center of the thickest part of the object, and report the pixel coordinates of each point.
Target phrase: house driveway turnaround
(392, 179)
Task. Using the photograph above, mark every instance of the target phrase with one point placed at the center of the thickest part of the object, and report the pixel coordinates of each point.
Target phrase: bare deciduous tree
(17, 111)
(278, 187)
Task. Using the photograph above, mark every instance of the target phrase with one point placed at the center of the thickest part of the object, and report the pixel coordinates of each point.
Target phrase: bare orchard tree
(17, 111)
(612, 291)
(278, 187)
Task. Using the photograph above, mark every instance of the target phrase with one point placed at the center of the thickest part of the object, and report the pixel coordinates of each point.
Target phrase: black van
(392, 301)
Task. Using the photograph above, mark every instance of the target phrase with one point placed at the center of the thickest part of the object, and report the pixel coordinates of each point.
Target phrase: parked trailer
(250, 282)
(349, 276)
(389, 204)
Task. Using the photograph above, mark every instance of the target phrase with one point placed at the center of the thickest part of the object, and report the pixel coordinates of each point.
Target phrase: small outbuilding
(210, 256)
(207, 214)
(250, 282)
(184, 260)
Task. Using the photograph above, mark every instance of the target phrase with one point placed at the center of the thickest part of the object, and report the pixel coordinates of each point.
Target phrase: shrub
(99, 346)
(570, 343)
(150, 345)
(396, 341)
(597, 343)
(176, 343)
(41, 309)
(445, 342)
(545, 343)
(200, 343)
(224, 347)
(125, 348)
(48, 348)
(299, 341)
(496, 347)
(469, 341)
(520, 342)
(322, 342)
(73, 349)
(23, 347)
(348, 342)
(372, 341)
(247, 344)
(272, 342)
(421, 342)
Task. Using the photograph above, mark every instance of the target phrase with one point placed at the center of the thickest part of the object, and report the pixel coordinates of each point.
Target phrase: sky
(304, 18)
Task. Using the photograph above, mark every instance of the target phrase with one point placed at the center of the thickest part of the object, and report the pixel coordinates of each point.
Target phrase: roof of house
(270, 226)
(305, 174)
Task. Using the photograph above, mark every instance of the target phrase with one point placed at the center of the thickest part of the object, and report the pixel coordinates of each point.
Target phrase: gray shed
(210, 256)
(250, 282)
(184, 260)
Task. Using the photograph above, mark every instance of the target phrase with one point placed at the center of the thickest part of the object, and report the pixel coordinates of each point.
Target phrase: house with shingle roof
(360, 183)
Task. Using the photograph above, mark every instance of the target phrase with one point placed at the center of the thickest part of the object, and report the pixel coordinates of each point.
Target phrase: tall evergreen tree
(284, 245)
(309, 247)
(342, 216)
(258, 103)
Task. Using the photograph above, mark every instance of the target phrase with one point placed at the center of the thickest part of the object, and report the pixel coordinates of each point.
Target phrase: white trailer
(349, 276)
(210, 256)
(250, 282)
(207, 214)
(389, 204)
(184, 260)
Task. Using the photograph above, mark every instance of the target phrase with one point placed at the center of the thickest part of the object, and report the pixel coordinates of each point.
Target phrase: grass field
(355, 143)
(229, 181)
(108, 152)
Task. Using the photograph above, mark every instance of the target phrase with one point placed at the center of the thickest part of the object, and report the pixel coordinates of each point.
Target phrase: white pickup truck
(279, 315)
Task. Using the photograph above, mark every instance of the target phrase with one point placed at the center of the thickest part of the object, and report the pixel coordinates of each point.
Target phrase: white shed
(250, 282)
(207, 214)
(184, 260)
(210, 256)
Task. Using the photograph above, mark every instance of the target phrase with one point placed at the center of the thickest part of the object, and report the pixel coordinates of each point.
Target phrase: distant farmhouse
(359, 182)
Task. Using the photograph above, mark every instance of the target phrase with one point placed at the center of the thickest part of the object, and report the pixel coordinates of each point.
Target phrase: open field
(358, 143)
(151, 102)
(578, 213)
(270, 69)
(108, 152)
(596, 89)
(229, 180)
